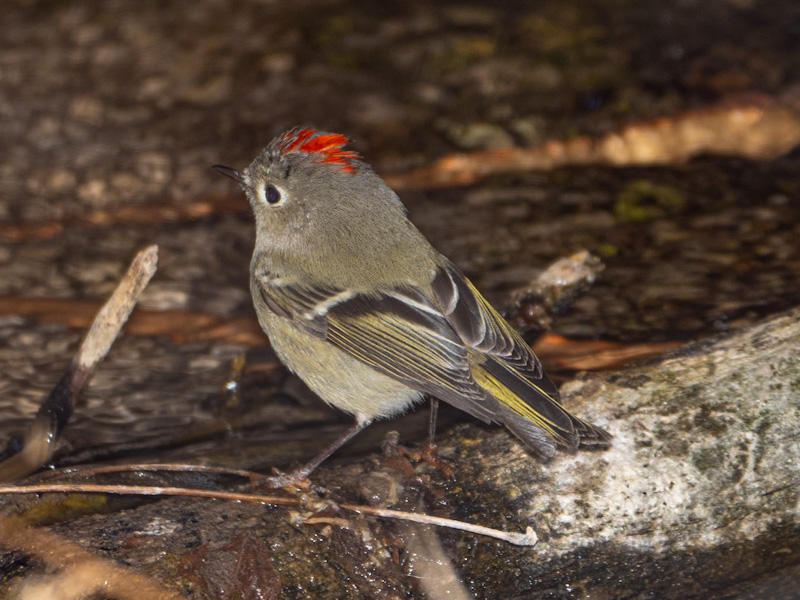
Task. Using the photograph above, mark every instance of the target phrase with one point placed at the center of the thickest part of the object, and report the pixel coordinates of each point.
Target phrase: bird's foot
(430, 455)
(294, 479)
(399, 455)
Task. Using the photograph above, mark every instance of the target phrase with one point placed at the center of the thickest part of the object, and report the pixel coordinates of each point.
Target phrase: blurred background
(660, 136)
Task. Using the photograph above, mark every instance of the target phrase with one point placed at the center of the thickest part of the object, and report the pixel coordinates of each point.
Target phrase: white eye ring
(272, 195)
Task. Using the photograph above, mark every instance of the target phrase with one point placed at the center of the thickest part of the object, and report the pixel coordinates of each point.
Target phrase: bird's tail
(531, 411)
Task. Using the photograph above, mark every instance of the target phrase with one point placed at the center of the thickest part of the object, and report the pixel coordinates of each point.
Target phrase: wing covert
(407, 339)
(480, 326)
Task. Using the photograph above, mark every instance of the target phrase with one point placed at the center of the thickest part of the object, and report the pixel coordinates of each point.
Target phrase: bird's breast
(339, 379)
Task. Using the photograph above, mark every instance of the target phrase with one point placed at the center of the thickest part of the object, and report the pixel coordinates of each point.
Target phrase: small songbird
(362, 308)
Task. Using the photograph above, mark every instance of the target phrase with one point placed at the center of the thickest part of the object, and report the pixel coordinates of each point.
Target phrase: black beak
(232, 173)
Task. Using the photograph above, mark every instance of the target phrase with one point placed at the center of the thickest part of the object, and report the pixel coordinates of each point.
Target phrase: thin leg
(303, 472)
(432, 425)
(430, 452)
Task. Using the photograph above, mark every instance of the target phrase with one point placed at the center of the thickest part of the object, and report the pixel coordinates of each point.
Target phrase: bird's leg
(391, 446)
(432, 424)
(430, 452)
(284, 479)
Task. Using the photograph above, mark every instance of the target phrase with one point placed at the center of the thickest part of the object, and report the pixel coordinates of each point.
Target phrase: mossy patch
(643, 200)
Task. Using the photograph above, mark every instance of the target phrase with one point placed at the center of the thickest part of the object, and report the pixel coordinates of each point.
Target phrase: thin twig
(528, 538)
(55, 411)
(151, 467)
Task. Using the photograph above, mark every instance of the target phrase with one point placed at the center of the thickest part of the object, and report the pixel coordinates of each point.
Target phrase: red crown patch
(328, 146)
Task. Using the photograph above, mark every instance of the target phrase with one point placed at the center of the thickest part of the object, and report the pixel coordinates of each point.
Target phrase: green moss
(708, 458)
(705, 421)
(642, 200)
(606, 250)
(58, 508)
(740, 462)
(675, 446)
(666, 401)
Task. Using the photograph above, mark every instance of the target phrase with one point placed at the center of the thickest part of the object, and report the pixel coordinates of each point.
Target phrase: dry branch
(55, 411)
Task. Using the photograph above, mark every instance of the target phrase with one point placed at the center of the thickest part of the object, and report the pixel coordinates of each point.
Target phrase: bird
(358, 303)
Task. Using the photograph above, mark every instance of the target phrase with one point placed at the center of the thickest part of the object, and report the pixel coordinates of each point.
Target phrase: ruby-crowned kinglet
(357, 302)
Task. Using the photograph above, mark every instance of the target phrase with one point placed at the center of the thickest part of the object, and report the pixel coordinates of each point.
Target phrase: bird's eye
(272, 194)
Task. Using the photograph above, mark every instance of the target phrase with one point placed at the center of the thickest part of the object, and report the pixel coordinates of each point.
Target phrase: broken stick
(54, 413)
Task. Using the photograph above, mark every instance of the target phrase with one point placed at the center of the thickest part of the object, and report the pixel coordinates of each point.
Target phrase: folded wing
(450, 344)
